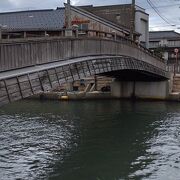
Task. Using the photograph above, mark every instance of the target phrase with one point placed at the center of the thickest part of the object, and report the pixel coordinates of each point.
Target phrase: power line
(157, 11)
(163, 26)
(158, 7)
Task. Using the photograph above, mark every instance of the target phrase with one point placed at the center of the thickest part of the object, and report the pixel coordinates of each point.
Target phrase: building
(87, 20)
(164, 43)
(142, 26)
(49, 21)
(122, 16)
(115, 19)
(33, 22)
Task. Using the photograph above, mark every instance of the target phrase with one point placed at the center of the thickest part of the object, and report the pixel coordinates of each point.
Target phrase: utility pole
(68, 14)
(68, 31)
(132, 22)
(176, 50)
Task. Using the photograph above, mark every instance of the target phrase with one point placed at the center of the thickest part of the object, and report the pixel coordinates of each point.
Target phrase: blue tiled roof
(33, 20)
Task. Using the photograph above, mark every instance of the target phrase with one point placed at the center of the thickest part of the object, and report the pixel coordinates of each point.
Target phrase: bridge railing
(76, 33)
(173, 68)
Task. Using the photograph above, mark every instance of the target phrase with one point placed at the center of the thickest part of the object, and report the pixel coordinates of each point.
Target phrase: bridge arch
(32, 80)
(29, 66)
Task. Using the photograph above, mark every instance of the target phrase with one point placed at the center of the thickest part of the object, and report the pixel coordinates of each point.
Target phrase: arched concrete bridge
(28, 67)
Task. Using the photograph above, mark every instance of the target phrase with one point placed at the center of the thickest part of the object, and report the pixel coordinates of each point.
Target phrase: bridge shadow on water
(89, 140)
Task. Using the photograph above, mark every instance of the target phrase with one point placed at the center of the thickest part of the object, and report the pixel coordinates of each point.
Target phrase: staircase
(176, 83)
(89, 87)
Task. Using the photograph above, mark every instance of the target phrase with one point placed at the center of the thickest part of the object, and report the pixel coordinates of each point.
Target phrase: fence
(75, 33)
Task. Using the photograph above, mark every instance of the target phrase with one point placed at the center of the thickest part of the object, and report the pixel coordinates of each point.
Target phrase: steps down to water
(176, 83)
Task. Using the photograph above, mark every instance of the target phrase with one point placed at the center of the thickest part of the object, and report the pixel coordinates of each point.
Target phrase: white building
(142, 25)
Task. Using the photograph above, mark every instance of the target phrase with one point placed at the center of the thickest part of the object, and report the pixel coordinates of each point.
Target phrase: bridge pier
(158, 90)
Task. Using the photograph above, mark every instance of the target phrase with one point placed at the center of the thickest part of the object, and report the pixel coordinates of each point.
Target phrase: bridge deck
(31, 66)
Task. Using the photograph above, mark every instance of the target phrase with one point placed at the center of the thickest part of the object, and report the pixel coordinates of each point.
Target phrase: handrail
(75, 33)
(173, 68)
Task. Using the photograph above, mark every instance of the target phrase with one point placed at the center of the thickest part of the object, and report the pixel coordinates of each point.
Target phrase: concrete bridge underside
(28, 81)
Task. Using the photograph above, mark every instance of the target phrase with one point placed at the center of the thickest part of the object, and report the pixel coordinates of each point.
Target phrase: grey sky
(168, 9)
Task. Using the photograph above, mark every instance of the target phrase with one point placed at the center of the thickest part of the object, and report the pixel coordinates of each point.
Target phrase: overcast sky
(169, 10)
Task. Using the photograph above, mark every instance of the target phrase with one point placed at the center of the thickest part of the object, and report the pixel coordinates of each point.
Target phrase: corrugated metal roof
(157, 35)
(33, 20)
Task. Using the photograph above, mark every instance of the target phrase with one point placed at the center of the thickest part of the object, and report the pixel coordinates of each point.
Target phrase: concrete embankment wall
(159, 90)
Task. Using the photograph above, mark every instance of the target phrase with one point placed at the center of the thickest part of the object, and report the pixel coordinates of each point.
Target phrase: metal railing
(173, 68)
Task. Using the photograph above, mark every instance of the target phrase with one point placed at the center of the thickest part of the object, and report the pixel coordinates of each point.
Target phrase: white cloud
(15, 2)
(167, 9)
(74, 2)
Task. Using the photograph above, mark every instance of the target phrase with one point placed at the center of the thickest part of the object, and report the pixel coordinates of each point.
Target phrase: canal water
(90, 140)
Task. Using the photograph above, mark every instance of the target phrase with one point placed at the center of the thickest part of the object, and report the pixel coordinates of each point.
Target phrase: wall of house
(142, 27)
(166, 48)
(119, 14)
(92, 23)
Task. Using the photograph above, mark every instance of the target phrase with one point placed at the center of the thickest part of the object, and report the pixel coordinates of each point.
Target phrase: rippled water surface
(90, 140)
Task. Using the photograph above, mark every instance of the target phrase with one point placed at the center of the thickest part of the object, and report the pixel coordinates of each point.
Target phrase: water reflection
(32, 139)
(94, 140)
(162, 158)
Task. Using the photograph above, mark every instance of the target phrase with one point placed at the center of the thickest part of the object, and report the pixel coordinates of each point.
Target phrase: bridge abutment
(158, 90)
